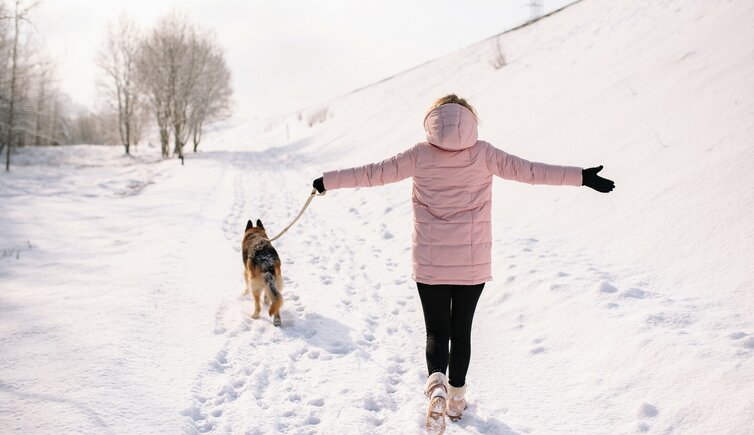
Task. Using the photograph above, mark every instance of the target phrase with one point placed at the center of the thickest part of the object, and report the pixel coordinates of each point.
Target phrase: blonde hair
(454, 99)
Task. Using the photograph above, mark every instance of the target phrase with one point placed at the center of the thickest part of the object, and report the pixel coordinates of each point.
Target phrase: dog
(262, 270)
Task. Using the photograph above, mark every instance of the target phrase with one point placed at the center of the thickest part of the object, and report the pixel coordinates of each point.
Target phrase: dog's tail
(276, 300)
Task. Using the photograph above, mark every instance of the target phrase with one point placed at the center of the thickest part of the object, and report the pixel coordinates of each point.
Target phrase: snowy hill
(120, 308)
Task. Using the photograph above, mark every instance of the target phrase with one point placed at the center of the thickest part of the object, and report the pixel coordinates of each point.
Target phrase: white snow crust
(121, 307)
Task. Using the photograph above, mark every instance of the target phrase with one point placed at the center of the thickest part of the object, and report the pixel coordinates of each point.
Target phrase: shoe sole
(436, 416)
(455, 418)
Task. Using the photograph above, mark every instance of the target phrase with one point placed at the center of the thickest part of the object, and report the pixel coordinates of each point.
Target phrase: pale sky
(285, 54)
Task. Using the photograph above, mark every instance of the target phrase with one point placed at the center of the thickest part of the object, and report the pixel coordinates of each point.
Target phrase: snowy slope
(120, 309)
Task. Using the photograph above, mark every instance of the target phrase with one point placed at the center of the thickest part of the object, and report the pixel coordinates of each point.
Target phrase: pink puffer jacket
(452, 172)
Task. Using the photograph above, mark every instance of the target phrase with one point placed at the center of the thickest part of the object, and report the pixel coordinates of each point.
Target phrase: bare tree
(186, 79)
(20, 13)
(41, 115)
(211, 98)
(157, 68)
(33, 111)
(5, 53)
(118, 59)
(189, 61)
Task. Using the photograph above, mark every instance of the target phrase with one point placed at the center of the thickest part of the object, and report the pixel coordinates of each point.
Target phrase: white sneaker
(456, 402)
(437, 392)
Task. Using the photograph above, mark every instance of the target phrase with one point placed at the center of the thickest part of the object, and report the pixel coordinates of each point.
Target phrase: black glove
(319, 184)
(590, 178)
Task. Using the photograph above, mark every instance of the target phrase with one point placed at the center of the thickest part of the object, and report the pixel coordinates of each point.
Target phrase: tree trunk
(9, 143)
(163, 127)
(54, 125)
(165, 142)
(121, 132)
(197, 136)
(40, 108)
(128, 129)
(178, 145)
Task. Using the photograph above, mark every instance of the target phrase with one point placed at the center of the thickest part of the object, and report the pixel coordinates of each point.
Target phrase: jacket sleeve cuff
(572, 176)
(330, 180)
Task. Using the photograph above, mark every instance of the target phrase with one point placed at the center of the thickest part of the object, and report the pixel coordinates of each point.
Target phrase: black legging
(448, 314)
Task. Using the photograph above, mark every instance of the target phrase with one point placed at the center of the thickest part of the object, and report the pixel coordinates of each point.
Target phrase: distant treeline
(169, 83)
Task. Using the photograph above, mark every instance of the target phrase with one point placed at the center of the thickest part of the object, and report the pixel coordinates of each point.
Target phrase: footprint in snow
(635, 293)
(219, 314)
(370, 404)
(747, 342)
(317, 402)
(396, 359)
(312, 420)
(606, 287)
(670, 320)
(537, 350)
(737, 335)
(221, 362)
(647, 410)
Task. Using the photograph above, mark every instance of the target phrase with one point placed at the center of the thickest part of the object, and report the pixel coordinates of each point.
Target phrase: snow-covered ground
(121, 278)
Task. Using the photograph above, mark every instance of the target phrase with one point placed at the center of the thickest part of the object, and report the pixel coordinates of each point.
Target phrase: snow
(121, 279)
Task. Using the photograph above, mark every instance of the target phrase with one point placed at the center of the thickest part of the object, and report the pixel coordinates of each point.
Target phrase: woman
(452, 240)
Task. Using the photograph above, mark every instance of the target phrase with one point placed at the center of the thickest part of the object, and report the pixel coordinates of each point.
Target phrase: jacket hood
(451, 127)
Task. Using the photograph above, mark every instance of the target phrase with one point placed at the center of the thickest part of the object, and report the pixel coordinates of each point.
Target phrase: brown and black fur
(262, 270)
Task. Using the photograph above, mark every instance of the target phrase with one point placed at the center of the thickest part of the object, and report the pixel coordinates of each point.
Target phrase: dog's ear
(259, 224)
(249, 225)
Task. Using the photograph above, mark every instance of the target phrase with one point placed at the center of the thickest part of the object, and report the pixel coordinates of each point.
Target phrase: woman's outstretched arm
(511, 167)
(394, 169)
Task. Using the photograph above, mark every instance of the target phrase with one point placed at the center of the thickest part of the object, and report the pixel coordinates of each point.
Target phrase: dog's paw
(255, 315)
(276, 320)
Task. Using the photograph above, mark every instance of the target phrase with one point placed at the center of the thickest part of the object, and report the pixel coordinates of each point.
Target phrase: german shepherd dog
(262, 270)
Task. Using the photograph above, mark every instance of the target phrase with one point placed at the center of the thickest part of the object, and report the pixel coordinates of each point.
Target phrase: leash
(306, 204)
